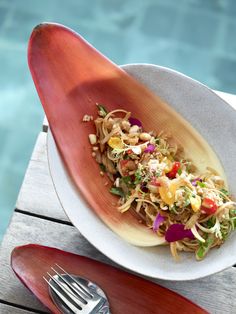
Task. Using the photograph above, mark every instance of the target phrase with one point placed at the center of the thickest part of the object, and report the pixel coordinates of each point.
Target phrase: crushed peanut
(93, 139)
(145, 136)
(87, 118)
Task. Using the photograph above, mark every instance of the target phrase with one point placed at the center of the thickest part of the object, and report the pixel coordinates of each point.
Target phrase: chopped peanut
(87, 118)
(133, 141)
(145, 136)
(134, 129)
(93, 139)
(125, 125)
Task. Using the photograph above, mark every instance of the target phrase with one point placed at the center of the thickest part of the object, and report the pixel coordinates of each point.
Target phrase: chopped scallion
(102, 111)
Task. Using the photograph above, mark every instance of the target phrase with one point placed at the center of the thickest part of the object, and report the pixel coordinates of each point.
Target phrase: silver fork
(74, 294)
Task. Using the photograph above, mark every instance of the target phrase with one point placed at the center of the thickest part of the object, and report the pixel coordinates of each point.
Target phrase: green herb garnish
(126, 156)
(102, 111)
(224, 191)
(158, 173)
(128, 181)
(117, 191)
(187, 195)
(138, 176)
(179, 171)
(204, 247)
(233, 212)
(233, 221)
(173, 209)
(201, 184)
(210, 222)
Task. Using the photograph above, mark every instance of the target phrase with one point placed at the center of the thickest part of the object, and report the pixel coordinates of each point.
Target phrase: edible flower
(150, 148)
(157, 222)
(115, 142)
(195, 181)
(177, 232)
(195, 202)
(134, 121)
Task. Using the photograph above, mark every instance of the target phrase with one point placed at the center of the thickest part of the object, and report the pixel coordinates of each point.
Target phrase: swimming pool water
(196, 37)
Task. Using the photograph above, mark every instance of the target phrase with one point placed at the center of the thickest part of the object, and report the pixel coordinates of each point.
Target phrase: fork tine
(81, 302)
(78, 283)
(81, 292)
(71, 306)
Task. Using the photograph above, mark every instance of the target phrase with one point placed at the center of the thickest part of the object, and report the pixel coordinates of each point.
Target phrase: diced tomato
(129, 151)
(174, 170)
(155, 182)
(208, 206)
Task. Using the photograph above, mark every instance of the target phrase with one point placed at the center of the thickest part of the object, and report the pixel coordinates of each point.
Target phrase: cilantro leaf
(225, 192)
(138, 176)
(117, 191)
(128, 181)
(210, 222)
(179, 171)
(204, 247)
(201, 184)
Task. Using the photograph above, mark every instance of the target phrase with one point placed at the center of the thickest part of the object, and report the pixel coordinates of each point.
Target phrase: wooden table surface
(39, 218)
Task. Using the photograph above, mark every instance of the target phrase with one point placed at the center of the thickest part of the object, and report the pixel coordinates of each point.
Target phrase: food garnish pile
(153, 180)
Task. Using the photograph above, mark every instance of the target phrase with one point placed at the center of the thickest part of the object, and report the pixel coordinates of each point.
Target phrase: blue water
(196, 37)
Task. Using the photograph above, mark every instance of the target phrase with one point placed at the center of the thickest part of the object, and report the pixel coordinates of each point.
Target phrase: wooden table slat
(26, 229)
(6, 309)
(214, 293)
(37, 194)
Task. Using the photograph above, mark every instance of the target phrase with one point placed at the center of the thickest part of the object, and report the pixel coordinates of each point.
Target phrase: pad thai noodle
(154, 180)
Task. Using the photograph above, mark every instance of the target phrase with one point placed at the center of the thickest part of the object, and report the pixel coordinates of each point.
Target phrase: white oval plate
(216, 121)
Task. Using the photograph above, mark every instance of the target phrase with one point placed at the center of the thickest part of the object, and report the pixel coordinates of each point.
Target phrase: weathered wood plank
(7, 309)
(26, 229)
(214, 293)
(37, 194)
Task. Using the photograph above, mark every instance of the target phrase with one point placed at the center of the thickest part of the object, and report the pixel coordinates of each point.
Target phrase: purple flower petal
(144, 187)
(158, 220)
(177, 232)
(134, 121)
(194, 181)
(150, 148)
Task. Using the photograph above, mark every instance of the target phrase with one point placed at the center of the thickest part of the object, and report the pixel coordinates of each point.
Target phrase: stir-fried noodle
(154, 181)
